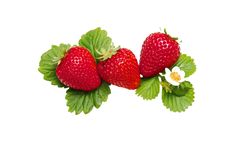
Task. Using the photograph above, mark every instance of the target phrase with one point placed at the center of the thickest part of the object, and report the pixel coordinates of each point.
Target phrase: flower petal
(167, 71)
(174, 83)
(176, 69)
(182, 80)
(182, 74)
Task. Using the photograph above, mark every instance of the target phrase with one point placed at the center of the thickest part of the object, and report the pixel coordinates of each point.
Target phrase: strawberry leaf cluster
(175, 98)
(78, 101)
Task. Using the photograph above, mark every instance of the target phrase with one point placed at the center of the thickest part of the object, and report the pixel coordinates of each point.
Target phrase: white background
(32, 110)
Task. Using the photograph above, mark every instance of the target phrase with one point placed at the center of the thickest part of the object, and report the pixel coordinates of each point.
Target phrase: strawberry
(159, 51)
(120, 69)
(78, 70)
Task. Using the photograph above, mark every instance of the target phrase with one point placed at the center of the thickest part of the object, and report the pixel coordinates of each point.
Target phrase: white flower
(174, 77)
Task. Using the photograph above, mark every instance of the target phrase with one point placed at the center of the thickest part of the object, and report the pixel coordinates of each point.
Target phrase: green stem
(166, 86)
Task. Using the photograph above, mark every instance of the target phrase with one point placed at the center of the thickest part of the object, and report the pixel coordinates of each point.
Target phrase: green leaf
(96, 41)
(81, 101)
(49, 61)
(177, 103)
(149, 88)
(186, 63)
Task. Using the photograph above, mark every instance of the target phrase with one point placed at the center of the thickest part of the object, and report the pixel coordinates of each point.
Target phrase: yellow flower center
(175, 76)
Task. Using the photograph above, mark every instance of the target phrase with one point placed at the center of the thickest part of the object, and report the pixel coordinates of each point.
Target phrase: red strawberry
(78, 70)
(121, 69)
(159, 51)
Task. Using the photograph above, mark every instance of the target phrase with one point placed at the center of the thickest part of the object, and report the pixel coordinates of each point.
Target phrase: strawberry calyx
(174, 38)
(105, 54)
